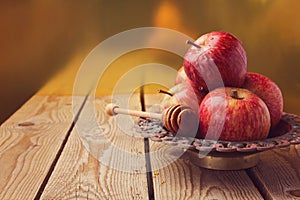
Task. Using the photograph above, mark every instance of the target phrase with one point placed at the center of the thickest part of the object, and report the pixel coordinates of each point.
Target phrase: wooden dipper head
(180, 119)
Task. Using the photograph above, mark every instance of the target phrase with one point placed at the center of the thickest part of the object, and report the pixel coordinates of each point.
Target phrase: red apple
(269, 92)
(183, 94)
(214, 60)
(181, 76)
(233, 114)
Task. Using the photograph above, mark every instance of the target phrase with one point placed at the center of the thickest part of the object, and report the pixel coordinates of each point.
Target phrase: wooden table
(43, 155)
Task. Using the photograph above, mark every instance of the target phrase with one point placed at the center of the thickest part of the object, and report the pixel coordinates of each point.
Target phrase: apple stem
(234, 94)
(193, 43)
(165, 92)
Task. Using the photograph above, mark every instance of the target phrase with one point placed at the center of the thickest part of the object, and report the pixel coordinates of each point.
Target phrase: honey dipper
(176, 118)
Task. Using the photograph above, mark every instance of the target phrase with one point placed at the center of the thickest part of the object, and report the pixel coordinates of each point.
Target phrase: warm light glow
(168, 15)
(41, 38)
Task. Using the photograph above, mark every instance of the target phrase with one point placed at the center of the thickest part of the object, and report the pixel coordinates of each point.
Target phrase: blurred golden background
(44, 42)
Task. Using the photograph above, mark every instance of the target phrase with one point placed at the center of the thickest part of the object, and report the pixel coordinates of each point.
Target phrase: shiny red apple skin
(221, 61)
(269, 92)
(181, 76)
(183, 94)
(223, 117)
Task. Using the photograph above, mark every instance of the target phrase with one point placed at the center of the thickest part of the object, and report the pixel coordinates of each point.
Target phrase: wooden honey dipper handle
(174, 118)
(113, 109)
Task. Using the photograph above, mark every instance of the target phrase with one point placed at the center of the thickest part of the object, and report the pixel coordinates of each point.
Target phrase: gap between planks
(79, 174)
(277, 175)
(181, 179)
(52, 167)
(257, 183)
(151, 194)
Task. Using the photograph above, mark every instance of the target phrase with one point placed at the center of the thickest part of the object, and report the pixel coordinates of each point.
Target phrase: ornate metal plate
(287, 133)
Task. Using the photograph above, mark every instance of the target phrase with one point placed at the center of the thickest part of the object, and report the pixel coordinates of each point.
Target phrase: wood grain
(181, 179)
(278, 173)
(104, 159)
(105, 163)
(29, 142)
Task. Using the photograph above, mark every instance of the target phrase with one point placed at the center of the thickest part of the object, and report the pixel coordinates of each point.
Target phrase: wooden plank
(91, 167)
(30, 141)
(278, 173)
(182, 179)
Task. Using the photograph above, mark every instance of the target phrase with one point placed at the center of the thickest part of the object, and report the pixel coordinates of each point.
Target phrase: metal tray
(224, 155)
